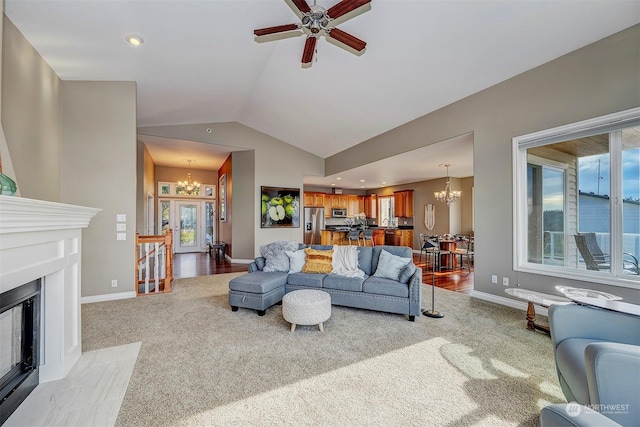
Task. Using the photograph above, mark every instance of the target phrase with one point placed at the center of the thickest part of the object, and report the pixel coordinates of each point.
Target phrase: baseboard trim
(522, 305)
(241, 261)
(107, 297)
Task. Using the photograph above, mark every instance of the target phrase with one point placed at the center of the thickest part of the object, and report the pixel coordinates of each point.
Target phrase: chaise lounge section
(387, 284)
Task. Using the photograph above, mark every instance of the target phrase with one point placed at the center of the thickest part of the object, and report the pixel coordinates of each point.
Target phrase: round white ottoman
(306, 307)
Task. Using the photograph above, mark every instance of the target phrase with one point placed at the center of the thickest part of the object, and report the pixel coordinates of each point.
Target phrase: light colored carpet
(202, 364)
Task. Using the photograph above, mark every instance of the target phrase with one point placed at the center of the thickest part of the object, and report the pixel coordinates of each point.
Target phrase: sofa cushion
(258, 282)
(318, 261)
(570, 363)
(381, 286)
(275, 256)
(296, 260)
(364, 259)
(401, 251)
(306, 279)
(406, 272)
(343, 283)
(389, 266)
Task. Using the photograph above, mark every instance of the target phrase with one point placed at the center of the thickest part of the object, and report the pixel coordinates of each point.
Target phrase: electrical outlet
(114, 283)
(505, 281)
(494, 279)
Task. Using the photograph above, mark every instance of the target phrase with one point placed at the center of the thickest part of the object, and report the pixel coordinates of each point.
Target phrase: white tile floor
(90, 395)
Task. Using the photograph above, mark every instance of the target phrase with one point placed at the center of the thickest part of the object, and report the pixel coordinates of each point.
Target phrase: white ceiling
(200, 63)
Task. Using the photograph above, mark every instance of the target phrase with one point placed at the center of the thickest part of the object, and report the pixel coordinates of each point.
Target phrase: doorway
(192, 222)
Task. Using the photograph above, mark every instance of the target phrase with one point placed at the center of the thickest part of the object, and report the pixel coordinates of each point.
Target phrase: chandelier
(188, 187)
(447, 196)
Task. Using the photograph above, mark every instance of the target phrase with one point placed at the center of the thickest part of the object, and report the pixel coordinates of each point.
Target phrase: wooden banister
(154, 263)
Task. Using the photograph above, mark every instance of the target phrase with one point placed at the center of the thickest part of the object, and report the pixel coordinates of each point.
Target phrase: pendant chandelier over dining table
(188, 187)
(448, 195)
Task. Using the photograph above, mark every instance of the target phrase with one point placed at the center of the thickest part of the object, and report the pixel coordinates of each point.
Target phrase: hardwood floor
(201, 264)
(458, 280)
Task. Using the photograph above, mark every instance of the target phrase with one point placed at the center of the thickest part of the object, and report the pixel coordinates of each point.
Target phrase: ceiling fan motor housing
(316, 20)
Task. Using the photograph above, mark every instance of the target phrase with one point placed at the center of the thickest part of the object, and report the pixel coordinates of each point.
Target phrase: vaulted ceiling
(200, 63)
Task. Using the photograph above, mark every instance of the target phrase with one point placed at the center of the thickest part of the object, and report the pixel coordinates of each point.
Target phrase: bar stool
(354, 235)
(367, 236)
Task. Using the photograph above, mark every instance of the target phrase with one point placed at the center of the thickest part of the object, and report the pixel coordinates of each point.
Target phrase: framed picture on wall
(280, 207)
(222, 208)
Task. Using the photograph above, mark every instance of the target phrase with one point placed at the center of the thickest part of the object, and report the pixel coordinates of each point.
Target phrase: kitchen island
(381, 236)
(334, 237)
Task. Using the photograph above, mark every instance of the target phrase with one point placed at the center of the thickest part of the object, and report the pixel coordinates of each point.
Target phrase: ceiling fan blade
(309, 49)
(350, 41)
(346, 6)
(273, 30)
(298, 6)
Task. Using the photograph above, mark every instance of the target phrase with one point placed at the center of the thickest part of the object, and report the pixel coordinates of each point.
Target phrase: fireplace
(41, 243)
(19, 345)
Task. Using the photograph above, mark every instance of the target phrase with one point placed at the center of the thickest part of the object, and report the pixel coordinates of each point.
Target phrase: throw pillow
(318, 261)
(406, 272)
(275, 257)
(389, 265)
(296, 260)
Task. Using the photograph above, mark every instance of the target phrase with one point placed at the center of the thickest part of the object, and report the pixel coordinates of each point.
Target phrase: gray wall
(243, 205)
(98, 169)
(146, 184)
(74, 142)
(598, 79)
(31, 116)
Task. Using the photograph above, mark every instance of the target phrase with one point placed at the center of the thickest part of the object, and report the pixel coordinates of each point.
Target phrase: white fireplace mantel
(40, 239)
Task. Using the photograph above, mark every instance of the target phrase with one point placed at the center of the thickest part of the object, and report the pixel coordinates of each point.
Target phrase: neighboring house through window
(577, 200)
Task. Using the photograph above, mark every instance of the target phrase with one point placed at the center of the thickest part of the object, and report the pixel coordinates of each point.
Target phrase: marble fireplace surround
(40, 239)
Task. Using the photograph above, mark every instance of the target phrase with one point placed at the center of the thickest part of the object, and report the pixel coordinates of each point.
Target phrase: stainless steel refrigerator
(313, 225)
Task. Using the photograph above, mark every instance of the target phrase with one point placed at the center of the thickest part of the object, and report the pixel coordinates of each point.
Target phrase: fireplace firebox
(19, 345)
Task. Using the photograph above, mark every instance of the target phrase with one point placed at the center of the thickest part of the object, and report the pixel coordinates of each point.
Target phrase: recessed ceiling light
(362, 180)
(338, 178)
(333, 185)
(134, 40)
(384, 182)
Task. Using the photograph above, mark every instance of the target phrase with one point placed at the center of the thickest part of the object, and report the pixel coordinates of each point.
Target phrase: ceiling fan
(316, 21)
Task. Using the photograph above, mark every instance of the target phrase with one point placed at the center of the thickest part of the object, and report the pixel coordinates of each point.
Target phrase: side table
(536, 298)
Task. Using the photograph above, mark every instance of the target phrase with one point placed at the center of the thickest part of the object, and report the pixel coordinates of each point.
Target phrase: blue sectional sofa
(259, 290)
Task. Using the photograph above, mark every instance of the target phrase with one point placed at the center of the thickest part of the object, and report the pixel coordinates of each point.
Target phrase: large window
(386, 211)
(577, 200)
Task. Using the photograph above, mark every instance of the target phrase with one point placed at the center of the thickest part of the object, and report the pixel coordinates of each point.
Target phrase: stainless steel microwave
(339, 213)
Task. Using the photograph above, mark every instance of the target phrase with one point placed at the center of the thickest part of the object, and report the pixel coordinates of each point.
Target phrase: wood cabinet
(406, 238)
(339, 201)
(393, 237)
(370, 207)
(313, 199)
(378, 236)
(403, 203)
(355, 205)
(327, 206)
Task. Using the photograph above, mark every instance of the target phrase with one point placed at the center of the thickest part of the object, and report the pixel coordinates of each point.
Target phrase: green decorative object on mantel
(7, 185)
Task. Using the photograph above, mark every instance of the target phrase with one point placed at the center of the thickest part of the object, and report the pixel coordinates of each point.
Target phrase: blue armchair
(597, 354)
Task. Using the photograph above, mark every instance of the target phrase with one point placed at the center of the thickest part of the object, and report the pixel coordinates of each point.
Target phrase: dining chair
(464, 249)
(431, 247)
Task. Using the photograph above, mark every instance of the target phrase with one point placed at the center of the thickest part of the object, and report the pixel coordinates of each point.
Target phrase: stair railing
(154, 263)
